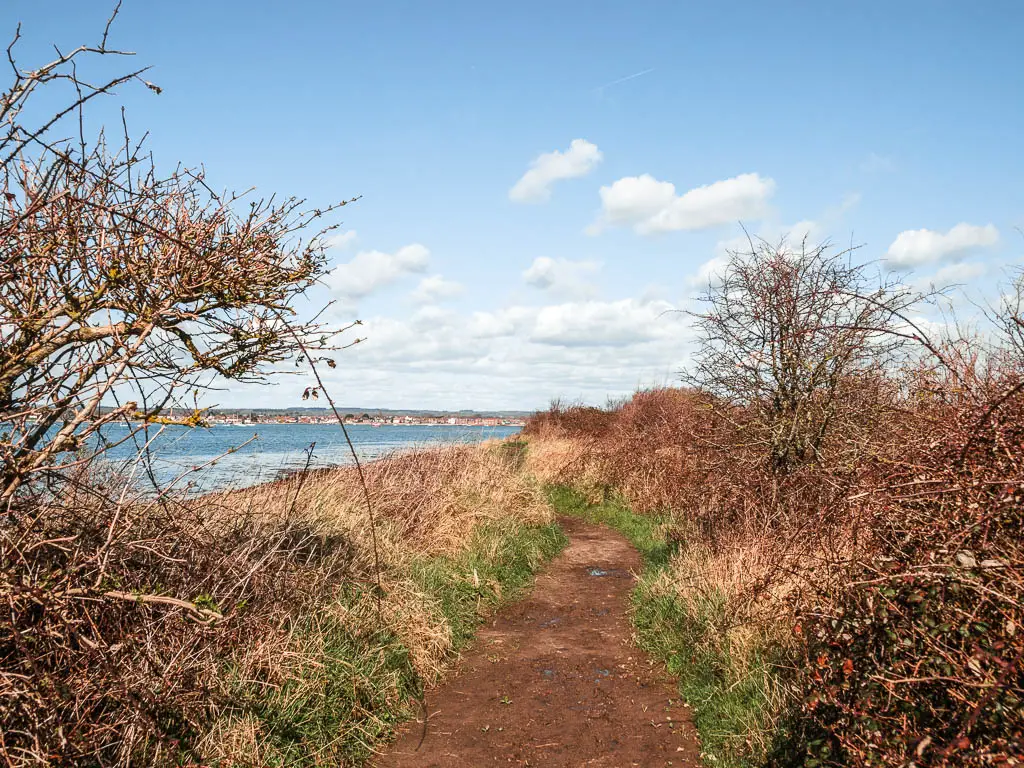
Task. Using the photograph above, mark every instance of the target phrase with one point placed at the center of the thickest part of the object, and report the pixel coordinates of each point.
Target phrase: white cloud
(370, 270)
(433, 317)
(916, 247)
(951, 274)
(562, 276)
(651, 206)
(535, 186)
(600, 323)
(501, 323)
(815, 231)
(809, 229)
(710, 272)
(435, 288)
(340, 240)
(604, 324)
(517, 356)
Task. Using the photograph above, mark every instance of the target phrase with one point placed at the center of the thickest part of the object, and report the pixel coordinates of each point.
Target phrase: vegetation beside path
(145, 622)
(727, 686)
(276, 625)
(460, 531)
(844, 490)
(361, 679)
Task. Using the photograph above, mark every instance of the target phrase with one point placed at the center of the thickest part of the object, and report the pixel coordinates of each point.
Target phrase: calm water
(278, 448)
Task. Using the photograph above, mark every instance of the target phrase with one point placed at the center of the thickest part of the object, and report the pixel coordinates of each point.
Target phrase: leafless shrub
(119, 283)
(1009, 318)
(852, 504)
(786, 334)
(123, 291)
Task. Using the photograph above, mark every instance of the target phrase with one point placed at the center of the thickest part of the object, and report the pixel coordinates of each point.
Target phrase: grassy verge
(643, 531)
(500, 561)
(355, 679)
(729, 684)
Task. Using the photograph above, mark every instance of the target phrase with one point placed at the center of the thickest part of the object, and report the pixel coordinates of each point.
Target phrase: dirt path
(555, 680)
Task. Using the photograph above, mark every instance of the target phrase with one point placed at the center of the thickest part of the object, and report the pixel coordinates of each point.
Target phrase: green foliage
(728, 689)
(353, 696)
(645, 532)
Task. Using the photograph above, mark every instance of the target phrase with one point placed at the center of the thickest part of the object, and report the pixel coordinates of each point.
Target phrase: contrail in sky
(625, 79)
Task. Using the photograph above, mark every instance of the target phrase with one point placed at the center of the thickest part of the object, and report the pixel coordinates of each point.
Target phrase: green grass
(729, 696)
(643, 531)
(730, 706)
(361, 687)
(499, 562)
(350, 699)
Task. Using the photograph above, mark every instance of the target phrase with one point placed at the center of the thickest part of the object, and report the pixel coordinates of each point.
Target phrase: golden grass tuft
(426, 502)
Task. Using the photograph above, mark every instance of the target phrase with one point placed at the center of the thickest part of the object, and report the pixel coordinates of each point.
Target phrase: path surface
(555, 680)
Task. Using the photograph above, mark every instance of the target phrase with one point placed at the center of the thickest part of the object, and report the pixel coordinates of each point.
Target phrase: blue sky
(894, 125)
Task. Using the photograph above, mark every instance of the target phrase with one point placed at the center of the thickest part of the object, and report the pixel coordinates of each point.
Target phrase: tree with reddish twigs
(124, 291)
(784, 332)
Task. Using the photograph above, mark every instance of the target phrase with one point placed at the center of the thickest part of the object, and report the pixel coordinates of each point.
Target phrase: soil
(555, 680)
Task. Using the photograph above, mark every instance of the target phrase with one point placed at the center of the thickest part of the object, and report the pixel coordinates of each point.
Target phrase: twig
(355, 458)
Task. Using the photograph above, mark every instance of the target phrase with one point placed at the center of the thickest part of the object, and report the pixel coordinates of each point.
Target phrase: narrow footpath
(555, 680)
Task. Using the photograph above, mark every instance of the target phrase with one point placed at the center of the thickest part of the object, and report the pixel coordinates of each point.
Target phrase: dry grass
(559, 459)
(861, 609)
(247, 627)
(426, 502)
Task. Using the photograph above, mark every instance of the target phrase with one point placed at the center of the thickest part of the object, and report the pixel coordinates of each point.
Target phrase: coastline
(362, 424)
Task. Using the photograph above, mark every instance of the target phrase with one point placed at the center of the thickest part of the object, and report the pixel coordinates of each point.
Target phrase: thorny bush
(118, 618)
(919, 657)
(124, 291)
(889, 570)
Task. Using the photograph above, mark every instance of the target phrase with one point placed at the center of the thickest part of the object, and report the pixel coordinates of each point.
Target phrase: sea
(200, 460)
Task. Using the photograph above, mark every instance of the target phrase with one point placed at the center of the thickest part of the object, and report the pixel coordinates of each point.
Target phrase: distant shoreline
(357, 424)
(515, 425)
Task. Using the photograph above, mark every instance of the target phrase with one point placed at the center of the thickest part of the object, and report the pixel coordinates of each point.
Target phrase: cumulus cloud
(562, 276)
(814, 230)
(651, 206)
(435, 288)
(917, 247)
(535, 185)
(591, 334)
(340, 240)
(500, 323)
(371, 270)
(951, 274)
(600, 323)
(518, 356)
(710, 272)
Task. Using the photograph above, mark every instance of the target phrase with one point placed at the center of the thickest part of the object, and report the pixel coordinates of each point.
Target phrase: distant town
(373, 417)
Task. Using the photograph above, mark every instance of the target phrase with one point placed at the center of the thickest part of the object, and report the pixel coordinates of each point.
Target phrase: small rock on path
(555, 679)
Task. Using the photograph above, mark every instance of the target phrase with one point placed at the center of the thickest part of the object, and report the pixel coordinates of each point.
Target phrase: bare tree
(123, 286)
(1009, 318)
(124, 290)
(784, 331)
